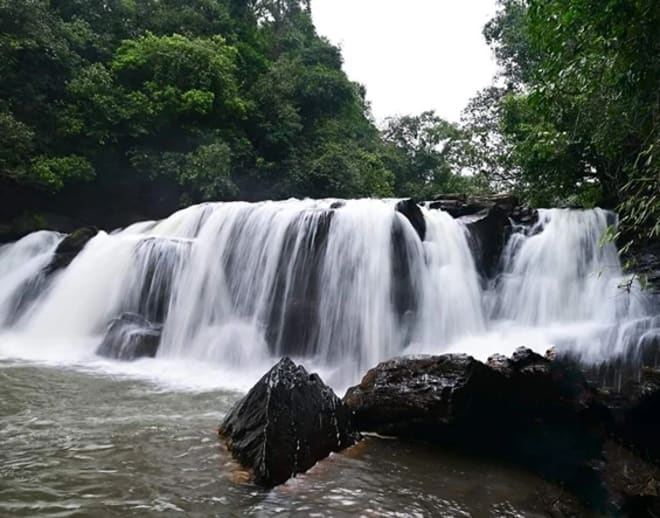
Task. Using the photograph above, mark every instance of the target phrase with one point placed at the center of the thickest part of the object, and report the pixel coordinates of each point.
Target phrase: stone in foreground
(525, 410)
(129, 337)
(287, 422)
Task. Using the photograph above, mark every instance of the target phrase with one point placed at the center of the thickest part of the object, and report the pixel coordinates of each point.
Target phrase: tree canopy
(149, 105)
(574, 117)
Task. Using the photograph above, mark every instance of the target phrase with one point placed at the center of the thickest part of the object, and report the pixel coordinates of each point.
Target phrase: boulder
(129, 337)
(413, 213)
(525, 409)
(417, 396)
(459, 205)
(285, 424)
(489, 231)
(293, 323)
(70, 247)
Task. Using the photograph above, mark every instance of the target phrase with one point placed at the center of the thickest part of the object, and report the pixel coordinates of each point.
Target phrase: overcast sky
(412, 55)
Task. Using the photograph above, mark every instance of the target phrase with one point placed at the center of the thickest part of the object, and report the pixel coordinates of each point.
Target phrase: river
(76, 441)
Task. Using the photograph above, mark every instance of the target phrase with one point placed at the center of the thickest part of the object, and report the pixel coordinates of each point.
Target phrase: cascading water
(21, 267)
(339, 285)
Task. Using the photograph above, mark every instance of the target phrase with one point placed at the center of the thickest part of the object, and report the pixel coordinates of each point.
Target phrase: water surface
(75, 443)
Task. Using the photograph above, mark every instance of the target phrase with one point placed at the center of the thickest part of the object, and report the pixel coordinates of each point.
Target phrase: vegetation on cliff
(145, 106)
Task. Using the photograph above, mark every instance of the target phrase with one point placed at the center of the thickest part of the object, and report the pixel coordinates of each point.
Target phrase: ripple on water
(77, 444)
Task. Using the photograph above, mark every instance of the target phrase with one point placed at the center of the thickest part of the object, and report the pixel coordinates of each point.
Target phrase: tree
(427, 155)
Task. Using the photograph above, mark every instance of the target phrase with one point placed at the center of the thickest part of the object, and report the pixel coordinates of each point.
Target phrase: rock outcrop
(129, 337)
(489, 231)
(70, 247)
(285, 424)
(489, 220)
(413, 213)
(526, 409)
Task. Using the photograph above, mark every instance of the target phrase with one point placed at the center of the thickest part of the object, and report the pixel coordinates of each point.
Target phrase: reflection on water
(73, 444)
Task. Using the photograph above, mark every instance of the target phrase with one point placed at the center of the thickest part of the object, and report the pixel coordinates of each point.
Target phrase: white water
(237, 285)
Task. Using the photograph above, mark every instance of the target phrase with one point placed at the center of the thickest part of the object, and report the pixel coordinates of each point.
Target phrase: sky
(412, 55)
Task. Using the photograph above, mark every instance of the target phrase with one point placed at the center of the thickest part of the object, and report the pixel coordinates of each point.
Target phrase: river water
(78, 442)
(337, 285)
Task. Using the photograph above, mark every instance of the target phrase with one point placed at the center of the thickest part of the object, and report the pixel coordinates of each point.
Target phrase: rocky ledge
(130, 336)
(287, 422)
(539, 412)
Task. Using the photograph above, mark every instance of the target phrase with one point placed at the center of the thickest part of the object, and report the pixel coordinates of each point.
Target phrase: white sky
(412, 55)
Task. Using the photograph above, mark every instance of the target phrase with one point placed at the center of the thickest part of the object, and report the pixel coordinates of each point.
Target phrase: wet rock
(70, 247)
(644, 260)
(524, 409)
(526, 216)
(129, 337)
(459, 205)
(287, 422)
(405, 292)
(413, 213)
(293, 324)
(417, 396)
(489, 232)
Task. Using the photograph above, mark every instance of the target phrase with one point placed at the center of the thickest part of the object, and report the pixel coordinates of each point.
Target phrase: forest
(116, 109)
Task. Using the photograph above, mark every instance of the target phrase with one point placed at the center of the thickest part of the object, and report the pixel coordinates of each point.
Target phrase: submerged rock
(129, 337)
(70, 247)
(285, 424)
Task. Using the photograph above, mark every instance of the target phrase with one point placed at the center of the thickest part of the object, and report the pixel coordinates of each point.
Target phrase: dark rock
(526, 216)
(415, 396)
(526, 409)
(287, 422)
(293, 324)
(129, 337)
(405, 292)
(337, 204)
(489, 231)
(70, 247)
(413, 213)
(644, 260)
(459, 205)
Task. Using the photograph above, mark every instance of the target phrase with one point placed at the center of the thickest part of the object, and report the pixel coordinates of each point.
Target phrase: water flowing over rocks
(285, 424)
(129, 337)
(413, 213)
(70, 247)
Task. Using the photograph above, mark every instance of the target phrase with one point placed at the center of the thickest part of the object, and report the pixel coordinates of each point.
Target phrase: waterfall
(21, 266)
(337, 284)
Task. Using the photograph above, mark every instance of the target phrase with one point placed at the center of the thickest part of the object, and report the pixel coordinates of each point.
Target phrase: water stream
(338, 286)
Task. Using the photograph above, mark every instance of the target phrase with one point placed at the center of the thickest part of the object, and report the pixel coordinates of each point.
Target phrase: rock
(417, 396)
(413, 213)
(129, 337)
(489, 232)
(525, 410)
(644, 261)
(293, 323)
(285, 424)
(459, 205)
(405, 292)
(70, 247)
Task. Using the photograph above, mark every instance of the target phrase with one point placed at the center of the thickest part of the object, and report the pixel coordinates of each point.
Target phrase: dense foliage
(171, 101)
(574, 117)
(143, 106)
